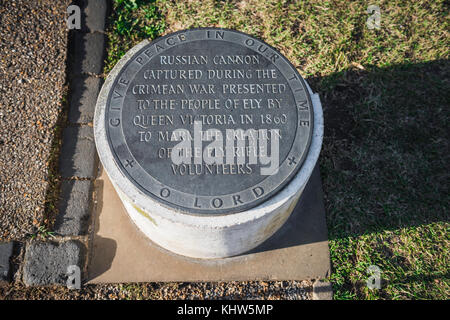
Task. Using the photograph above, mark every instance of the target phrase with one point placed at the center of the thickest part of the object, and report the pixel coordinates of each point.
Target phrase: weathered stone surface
(87, 53)
(6, 251)
(75, 208)
(93, 14)
(46, 263)
(85, 90)
(322, 290)
(78, 156)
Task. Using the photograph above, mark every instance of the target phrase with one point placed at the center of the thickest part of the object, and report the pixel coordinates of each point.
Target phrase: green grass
(385, 94)
(43, 233)
(131, 22)
(384, 168)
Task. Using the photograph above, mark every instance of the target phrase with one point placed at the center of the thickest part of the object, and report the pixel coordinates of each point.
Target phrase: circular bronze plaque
(209, 120)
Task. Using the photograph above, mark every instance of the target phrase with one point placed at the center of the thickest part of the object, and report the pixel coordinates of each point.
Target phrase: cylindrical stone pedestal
(187, 232)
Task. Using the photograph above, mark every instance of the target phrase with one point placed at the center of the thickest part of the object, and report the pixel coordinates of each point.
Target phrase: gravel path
(252, 290)
(33, 42)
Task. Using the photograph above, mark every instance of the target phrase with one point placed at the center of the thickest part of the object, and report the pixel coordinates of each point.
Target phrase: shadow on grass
(385, 157)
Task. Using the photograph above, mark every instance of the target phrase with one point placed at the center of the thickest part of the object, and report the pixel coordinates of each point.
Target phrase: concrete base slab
(121, 253)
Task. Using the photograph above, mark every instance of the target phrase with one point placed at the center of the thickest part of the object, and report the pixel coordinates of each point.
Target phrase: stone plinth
(152, 93)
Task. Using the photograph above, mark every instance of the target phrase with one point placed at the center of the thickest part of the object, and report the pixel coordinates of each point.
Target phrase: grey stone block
(87, 51)
(322, 290)
(78, 156)
(85, 90)
(74, 208)
(6, 251)
(93, 15)
(46, 263)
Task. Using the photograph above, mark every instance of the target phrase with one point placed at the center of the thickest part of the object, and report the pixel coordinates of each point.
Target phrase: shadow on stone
(84, 92)
(106, 255)
(78, 155)
(107, 246)
(75, 208)
(306, 223)
(93, 14)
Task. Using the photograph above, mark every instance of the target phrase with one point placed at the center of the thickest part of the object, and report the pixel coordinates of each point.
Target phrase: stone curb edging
(46, 262)
(6, 252)
(322, 290)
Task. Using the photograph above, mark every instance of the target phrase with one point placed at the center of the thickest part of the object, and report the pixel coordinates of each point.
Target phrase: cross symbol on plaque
(129, 163)
(292, 161)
